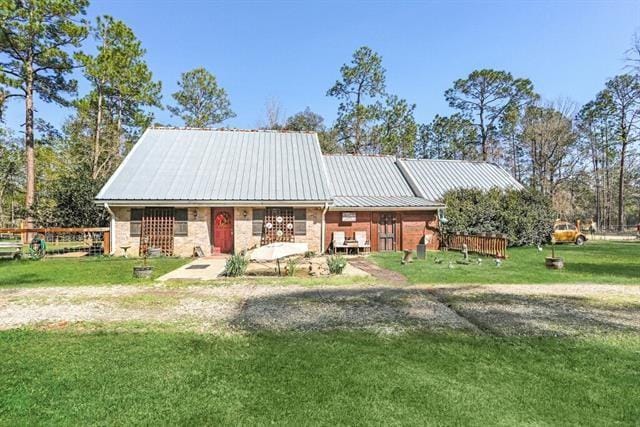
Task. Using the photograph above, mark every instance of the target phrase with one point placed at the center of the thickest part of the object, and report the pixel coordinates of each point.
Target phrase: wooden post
(106, 243)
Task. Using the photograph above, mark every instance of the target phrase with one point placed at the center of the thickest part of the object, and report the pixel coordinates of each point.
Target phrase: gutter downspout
(322, 230)
(112, 228)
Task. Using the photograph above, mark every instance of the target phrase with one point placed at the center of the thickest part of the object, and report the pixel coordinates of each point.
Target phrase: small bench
(10, 249)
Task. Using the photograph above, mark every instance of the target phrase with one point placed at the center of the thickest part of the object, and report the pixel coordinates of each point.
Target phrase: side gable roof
(358, 175)
(431, 179)
(370, 181)
(220, 165)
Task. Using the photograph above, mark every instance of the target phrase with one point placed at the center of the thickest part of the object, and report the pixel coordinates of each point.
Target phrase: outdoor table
(351, 244)
(125, 248)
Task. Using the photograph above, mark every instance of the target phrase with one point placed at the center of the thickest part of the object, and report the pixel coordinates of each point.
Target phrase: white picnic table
(10, 248)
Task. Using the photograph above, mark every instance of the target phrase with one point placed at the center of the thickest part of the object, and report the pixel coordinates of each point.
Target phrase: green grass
(595, 262)
(79, 271)
(64, 377)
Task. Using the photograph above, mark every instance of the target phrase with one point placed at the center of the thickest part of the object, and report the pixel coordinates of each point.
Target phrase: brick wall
(363, 222)
(122, 232)
(199, 224)
(243, 226)
(314, 230)
(410, 227)
(199, 227)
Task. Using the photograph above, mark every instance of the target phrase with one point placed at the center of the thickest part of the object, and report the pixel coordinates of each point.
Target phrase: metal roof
(370, 181)
(431, 179)
(356, 175)
(169, 164)
(383, 202)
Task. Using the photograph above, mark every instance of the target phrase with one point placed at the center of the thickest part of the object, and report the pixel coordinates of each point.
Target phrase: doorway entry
(387, 231)
(222, 223)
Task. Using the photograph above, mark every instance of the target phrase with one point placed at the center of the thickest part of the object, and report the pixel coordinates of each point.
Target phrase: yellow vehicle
(565, 232)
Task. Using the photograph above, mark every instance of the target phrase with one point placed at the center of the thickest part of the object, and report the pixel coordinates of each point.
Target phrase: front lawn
(595, 262)
(79, 271)
(63, 377)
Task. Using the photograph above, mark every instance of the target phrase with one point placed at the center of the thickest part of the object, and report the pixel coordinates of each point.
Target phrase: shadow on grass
(507, 313)
(452, 308)
(626, 270)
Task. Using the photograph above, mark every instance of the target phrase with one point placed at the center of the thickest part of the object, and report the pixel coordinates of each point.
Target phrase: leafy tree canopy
(486, 97)
(449, 138)
(200, 101)
(305, 120)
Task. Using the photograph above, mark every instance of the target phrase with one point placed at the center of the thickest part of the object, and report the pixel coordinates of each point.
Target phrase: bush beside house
(525, 216)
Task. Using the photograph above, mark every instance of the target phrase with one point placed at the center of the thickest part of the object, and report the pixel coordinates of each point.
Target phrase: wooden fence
(92, 240)
(483, 244)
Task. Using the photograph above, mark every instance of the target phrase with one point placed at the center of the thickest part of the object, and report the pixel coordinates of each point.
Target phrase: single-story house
(224, 191)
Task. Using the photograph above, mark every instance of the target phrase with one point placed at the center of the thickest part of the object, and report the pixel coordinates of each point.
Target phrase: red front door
(223, 230)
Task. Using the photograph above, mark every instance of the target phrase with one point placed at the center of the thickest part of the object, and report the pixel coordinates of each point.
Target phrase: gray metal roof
(224, 165)
(383, 202)
(431, 179)
(370, 181)
(366, 176)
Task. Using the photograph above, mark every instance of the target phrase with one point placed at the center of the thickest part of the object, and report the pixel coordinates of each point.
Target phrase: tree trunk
(621, 188)
(483, 136)
(29, 144)
(96, 143)
(356, 149)
(607, 180)
(596, 175)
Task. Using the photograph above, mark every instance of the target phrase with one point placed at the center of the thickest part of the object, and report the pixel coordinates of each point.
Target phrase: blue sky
(292, 51)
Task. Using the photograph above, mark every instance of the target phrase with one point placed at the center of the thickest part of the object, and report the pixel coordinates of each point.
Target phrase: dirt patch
(234, 307)
(381, 274)
(497, 310)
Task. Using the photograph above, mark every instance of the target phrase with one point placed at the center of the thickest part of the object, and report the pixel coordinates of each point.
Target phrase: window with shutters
(257, 222)
(300, 222)
(182, 222)
(135, 224)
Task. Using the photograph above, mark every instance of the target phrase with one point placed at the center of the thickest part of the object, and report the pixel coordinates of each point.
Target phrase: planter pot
(556, 263)
(142, 272)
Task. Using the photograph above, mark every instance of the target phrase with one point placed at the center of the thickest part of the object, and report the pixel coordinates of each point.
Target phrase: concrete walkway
(208, 268)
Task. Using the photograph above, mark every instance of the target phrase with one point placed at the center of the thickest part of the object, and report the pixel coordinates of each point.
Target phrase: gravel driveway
(502, 310)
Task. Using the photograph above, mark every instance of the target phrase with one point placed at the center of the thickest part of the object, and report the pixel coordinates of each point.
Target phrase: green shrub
(336, 264)
(236, 266)
(309, 254)
(525, 216)
(292, 266)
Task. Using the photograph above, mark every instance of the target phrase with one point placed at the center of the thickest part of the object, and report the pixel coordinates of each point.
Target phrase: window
(300, 222)
(258, 221)
(181, 222)
(571, 227)
(135, 224)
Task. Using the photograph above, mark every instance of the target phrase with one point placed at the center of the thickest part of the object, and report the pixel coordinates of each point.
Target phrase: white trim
(384, 208)
(323, 230)
(214, 203)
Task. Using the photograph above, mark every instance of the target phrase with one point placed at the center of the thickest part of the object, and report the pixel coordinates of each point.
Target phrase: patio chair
(338, 241)
(363, 242)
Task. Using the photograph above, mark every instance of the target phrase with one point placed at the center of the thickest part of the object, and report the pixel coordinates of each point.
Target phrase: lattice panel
(278, 225)
(157, 230)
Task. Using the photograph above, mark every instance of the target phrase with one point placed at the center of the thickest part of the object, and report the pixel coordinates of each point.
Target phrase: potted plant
(143, 271)
(554, 262)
